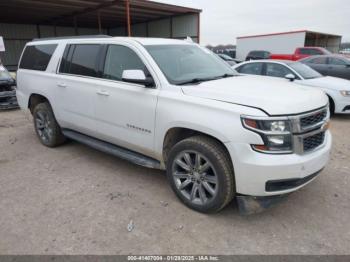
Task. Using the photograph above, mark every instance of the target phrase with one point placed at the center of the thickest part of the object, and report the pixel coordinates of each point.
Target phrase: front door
(125, 112)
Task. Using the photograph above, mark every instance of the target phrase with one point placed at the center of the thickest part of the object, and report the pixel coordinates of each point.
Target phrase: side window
(277, 70)
(80, 59)
(37, 57)
(266, 55)
(120, 58)
(304, 51)
(336, 61)
(309, 51)
(315, 52)
(67, 56)
(318, 60)
(251, 69)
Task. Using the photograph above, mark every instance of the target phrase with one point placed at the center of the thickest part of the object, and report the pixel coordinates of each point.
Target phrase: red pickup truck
(301, 52)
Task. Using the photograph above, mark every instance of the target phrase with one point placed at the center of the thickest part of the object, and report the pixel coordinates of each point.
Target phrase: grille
(314, 141)
(312, 120)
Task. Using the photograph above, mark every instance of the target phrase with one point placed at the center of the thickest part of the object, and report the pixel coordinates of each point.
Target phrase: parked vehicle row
(319, 59)
(173, 105)
(301, 52)
(337, 89)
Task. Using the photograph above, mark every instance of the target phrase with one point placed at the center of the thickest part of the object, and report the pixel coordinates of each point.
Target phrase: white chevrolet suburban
(173, 105)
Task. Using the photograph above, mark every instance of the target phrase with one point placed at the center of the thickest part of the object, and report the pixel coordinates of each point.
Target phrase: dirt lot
(76, 200)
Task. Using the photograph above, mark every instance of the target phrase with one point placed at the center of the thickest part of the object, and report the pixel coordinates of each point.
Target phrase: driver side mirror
(290, 77)
(137, 77)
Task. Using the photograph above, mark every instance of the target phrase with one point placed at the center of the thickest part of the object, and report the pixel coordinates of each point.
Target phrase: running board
(109, 148)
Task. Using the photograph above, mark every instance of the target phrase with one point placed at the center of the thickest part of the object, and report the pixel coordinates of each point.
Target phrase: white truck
(174, 105)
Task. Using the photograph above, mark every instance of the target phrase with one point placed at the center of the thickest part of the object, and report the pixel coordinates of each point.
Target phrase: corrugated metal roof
(64, 12)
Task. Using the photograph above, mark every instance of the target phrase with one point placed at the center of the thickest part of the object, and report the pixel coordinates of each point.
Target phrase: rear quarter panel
(39, 82)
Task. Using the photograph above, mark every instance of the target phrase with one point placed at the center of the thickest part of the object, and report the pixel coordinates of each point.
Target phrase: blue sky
(223, 20)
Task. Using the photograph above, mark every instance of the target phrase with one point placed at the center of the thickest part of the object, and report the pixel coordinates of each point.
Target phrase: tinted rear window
(37, 57)
(80, 60)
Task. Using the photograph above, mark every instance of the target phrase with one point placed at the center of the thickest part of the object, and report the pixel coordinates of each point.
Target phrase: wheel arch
(35, 99)
(331, 103)
(176, 134)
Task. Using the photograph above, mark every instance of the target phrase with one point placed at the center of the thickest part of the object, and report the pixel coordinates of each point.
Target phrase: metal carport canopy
(88, 13)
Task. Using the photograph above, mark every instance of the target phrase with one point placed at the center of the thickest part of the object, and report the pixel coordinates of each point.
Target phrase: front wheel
(200, 173)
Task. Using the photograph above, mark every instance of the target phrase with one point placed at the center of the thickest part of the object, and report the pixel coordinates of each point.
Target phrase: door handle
(102, 93)
(62, 85)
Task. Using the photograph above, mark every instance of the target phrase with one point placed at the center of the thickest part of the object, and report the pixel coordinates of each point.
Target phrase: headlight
(276, 135)
(345, 93)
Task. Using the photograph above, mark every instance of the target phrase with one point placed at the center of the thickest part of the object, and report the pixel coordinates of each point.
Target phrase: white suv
(174, 105)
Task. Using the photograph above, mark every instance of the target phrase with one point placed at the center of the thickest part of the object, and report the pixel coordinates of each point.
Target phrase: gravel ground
(76, 200)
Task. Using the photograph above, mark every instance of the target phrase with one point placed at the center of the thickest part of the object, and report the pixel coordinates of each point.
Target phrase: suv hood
(272, 95)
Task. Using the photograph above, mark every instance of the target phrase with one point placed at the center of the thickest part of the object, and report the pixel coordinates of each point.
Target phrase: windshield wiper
(195, 81)
(224, 76)
(200, 80)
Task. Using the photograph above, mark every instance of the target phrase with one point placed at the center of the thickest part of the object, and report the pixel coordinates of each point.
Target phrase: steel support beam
(75, 22)
(127, 7)
(99, 22)
(199, 27)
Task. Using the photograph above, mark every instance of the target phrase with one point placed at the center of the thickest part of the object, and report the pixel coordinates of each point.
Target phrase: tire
(212, 179)
(46, 126)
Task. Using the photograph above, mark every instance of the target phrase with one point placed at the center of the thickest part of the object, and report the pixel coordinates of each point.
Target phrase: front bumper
(254, 171)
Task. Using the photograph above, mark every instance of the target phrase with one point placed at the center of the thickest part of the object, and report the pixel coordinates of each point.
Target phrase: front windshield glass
(305, 71)
(183, 64)
(4, 74)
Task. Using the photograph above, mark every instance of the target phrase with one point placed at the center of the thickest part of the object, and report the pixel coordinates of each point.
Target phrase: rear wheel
(46, 126)
(201, 174)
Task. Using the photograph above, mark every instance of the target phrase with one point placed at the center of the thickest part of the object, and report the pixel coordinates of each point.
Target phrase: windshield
(305, 71)
(182, 64)
(4, 74)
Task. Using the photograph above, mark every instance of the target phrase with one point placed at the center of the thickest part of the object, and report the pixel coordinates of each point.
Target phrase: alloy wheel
(43, 126)
(195, 177)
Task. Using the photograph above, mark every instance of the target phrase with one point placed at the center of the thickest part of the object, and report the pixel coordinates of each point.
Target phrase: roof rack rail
(72, 37)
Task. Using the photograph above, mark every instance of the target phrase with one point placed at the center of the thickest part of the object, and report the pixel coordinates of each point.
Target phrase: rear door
(76, 87)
